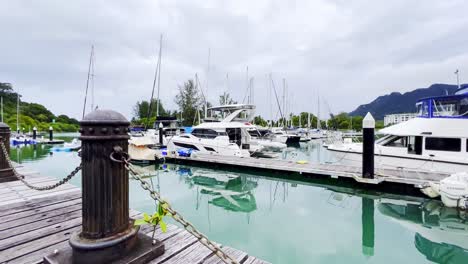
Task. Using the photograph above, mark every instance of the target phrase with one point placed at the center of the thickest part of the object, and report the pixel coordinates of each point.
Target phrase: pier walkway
(36, 223)
(417, 178)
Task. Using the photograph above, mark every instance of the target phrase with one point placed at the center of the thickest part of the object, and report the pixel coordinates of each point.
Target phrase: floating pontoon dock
(414, 178)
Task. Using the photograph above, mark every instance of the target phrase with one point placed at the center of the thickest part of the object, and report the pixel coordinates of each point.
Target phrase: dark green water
(286, 221)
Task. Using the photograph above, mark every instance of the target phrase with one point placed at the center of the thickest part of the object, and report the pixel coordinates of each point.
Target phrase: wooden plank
(31, 193)
(34, 245)
(14, 231)
(38, 203)
(39, 195)
(175, 245)
(195, 253)
(37, 211)
(40, 216)
(39, 233)
(238, 255)
(37, 256)
(254, 260)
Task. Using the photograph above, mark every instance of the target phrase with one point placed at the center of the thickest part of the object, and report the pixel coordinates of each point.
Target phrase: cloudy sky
(348, 52)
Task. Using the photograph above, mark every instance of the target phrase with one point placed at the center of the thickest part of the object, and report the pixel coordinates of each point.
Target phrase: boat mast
(17, 115)
(458, 78)
(87, 81)
(308, 120)
(92, 80)
(207, 82)
(319, 125)
(1, 98)
(159, 75)
(284, 103)
(156, 75)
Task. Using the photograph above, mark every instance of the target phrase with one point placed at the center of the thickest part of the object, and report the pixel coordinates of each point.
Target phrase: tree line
(32, 114)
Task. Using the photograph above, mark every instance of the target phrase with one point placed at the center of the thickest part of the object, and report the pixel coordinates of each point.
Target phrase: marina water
(286, 219)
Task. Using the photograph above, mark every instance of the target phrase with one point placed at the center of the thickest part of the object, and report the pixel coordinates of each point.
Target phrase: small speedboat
(21, 140)
(74, 145)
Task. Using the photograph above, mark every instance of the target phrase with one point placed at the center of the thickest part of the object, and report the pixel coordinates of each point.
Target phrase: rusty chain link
(37, 188)
(179, 218)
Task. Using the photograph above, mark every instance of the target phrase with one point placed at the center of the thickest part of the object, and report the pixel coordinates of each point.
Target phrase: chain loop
(175, 215)
(37, 188)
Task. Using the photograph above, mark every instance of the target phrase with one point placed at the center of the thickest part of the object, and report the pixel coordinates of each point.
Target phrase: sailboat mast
(87, 81)
(159, 75)
(308, 120)
(92, 80)
(1, 98)
(284, 102)
(17, 115)
(318, 113)
(207, 83)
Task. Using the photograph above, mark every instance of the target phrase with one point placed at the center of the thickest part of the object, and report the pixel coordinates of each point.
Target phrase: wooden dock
(401, 176)
(36, 223)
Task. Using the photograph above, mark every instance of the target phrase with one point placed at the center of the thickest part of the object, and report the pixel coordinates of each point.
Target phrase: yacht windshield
(450, 108)
(422, 109)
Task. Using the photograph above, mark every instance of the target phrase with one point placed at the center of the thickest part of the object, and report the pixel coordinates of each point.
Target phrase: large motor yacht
(435, 140)
(224, 132)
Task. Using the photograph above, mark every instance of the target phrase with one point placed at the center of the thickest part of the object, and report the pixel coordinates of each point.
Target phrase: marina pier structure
(45, 221)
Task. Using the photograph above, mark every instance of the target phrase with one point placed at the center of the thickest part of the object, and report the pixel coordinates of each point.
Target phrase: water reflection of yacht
(441, 232)
(230, 191)
(436, 139)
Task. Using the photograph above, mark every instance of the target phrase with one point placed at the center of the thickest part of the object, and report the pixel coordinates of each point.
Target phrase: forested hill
(401, 103)
(32, 114)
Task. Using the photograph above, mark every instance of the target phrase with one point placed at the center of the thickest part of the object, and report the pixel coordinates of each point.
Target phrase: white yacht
(435, 140)
(225, 132)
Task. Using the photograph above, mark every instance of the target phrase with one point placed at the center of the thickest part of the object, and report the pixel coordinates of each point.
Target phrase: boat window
(455, 107)
(422, 109)
(204, 133)
(222, 133)
(254, 133)
(400, 142)
(443, 144)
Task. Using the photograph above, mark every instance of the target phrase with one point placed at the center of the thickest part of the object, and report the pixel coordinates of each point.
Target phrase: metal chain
(179, 218)
(37, 188)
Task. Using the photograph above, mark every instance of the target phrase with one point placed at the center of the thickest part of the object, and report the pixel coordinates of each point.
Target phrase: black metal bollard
(107, 231)
(161, 134)
(6, 172)
(368, 127)
(51, 133)
(368, 227)
(34, 132)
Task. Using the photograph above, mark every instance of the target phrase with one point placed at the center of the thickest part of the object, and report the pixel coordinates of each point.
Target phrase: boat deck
(402, 176)
(36, 223)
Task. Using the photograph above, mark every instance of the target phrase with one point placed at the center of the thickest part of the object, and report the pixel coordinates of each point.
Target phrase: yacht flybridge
(435, 140)
(227, 131)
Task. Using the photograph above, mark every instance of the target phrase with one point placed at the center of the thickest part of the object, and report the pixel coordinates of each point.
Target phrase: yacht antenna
(247, 82)
(87, 81)
(458, 78)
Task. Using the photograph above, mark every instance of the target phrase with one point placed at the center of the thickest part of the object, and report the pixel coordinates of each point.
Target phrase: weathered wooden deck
(36, 223)
(402, 176)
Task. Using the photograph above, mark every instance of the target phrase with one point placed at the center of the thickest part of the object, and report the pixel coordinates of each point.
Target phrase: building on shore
(398, 118)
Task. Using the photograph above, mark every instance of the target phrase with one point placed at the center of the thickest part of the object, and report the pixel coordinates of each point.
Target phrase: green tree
(141, 109)
(258, 120)
(189, 101)
(225, 99)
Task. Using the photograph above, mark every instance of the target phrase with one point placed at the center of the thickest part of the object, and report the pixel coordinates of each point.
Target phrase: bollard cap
(51, 128)
(160, 125)
(34, 128)
(104, 117)
(368, 121)
(104, 125)
(3, 125)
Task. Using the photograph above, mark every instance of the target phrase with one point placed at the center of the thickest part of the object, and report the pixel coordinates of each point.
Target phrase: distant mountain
(395, 102)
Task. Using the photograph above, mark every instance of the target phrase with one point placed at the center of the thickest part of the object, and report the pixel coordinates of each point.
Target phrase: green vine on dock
(155, 219)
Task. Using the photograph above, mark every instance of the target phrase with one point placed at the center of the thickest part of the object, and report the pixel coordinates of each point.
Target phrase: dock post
(160, 134)
(34, 132)
(51, 133)
(107, 233)
(368, 227)
(368, 127)
(6, 172)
